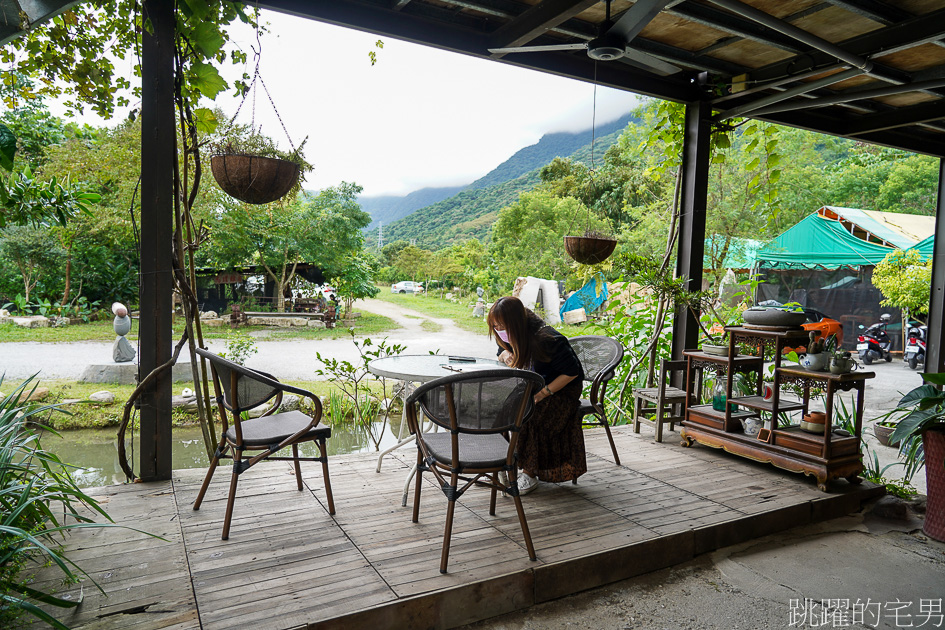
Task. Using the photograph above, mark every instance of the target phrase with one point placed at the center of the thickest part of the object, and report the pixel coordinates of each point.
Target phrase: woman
(551, 444)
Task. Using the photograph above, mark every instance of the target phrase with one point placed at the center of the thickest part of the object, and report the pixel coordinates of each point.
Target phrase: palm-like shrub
(39, 503)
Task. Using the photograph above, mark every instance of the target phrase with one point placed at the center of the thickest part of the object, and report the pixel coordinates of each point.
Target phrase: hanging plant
(255, 171)
(593, 247)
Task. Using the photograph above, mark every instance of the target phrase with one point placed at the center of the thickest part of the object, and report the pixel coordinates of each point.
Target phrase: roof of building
(883, 228)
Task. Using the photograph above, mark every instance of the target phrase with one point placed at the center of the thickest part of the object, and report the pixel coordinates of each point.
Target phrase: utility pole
(380, 235)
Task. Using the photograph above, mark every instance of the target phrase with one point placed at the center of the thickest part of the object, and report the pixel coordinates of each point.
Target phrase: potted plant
(592, 248)
(841, 362)
(254, 170)
(882, 429)
(926, 417)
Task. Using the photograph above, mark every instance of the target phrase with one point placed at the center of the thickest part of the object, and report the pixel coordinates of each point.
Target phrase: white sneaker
(504, 478)
(526, 483)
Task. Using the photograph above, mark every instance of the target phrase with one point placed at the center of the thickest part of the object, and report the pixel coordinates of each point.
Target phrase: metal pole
(935, 352)
(158, 152)
(691, 240)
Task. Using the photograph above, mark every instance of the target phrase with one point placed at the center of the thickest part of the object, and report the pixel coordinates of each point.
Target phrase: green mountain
(388, 208)
(472, 211)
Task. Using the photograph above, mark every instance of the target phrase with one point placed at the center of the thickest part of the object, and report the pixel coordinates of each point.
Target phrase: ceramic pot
(814, 362)
(882, 434)
(773, 317)
(842, 365)
(751, 426)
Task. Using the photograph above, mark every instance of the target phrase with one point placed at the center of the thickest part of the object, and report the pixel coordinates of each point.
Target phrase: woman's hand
(542, 393)
(507, 358)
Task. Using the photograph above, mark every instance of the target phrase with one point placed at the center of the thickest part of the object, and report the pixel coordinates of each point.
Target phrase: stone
(33, 321)
(103, 396)
(479, 310)
(892, 508)
(184, 403)
(125, 373)
(4, 313)
(40, 393)
(449, 296)
(290, 402)
(315, 323)
(122, 350)
(208, 315)
(214, 323)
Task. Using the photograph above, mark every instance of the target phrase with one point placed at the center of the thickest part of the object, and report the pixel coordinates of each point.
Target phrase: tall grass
(39, 504)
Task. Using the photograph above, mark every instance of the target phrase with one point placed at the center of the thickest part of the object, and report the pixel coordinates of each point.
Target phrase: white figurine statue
(122, 350)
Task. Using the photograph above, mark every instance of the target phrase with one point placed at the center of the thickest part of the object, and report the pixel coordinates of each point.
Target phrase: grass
(367, 324)
(460, 312)
(430, 326)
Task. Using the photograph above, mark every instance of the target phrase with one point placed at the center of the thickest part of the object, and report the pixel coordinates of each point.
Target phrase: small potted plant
(925, 407)
(841, 362)
(882, 429)
(592, 248)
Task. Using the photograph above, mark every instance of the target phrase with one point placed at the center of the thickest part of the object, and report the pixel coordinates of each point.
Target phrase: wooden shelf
(760, 404)
(707, 410)
(742, 360)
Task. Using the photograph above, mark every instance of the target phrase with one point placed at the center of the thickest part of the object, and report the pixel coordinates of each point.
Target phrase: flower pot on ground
(925, 407)
(882, 430)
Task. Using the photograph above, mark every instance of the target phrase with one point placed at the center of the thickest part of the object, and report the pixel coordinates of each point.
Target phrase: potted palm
(926, 417)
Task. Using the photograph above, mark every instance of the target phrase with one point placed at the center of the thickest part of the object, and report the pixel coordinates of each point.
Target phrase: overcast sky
(419, 117)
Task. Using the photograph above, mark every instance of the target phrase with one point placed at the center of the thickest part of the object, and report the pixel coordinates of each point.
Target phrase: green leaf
(199, 8)
(935, 379)
(7, 147)
(206, 38)
(205, 120)
(920, 394)
(753, 164)
(207, 80)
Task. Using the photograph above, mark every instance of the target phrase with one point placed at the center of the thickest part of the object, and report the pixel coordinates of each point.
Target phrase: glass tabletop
(426, 367)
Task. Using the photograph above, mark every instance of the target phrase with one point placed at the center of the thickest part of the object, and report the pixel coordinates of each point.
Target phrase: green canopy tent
(925, 247)
(819, 242)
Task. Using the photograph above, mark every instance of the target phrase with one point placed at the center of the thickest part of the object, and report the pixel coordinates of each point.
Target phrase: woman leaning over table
(551, 444)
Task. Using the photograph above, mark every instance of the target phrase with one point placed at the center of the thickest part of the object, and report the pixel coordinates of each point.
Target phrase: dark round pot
(933, 442)
(773, 317)
(589, 250)
(882, 434)
(252, 178)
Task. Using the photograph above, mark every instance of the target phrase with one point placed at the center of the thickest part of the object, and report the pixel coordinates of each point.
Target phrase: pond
(94, 452)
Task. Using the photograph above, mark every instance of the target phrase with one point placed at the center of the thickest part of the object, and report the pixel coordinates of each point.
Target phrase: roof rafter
(536, 21)
(915, 115)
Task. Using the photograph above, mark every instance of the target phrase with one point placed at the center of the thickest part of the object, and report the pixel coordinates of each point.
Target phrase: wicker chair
(239, 389)
(483, 411)
(599, 357)
(668, 403)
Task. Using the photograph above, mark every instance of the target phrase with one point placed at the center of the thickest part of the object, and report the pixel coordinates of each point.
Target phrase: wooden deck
(288, 564)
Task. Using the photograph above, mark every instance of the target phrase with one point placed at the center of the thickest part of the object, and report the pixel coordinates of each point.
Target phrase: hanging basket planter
(253, 178)
(589, 249)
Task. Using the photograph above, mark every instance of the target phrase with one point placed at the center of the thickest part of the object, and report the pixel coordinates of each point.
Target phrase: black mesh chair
(239, 389)
(599, 357)
(483, 411)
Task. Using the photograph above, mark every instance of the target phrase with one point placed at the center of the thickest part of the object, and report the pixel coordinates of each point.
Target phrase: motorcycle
(914, 352)
(874, 343)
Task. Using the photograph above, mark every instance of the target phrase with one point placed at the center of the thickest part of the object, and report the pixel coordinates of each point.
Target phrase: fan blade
(502, 51)
(648, 62)
(637, 17)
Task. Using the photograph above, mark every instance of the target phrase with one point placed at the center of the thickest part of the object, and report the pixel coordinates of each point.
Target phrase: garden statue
(122, 351)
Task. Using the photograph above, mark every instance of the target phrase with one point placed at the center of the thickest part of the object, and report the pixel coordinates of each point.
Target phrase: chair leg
(206, 482)
(637, 410)
(495, 480)
(298, 468)
(610, 438)
(416, 490)
(659, 422)
(521, 519)
(447, 534)
(231, 498)
(323, 451)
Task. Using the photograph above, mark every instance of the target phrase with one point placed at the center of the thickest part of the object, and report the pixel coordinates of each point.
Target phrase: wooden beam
(935, 350)
(158, 154)
(691, 239)
(536, 21)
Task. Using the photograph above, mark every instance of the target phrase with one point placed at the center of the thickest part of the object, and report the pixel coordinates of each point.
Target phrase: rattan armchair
(482, 412)
(239, 389)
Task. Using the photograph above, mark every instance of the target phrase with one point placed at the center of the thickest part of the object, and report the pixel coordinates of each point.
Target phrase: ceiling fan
(613, 39)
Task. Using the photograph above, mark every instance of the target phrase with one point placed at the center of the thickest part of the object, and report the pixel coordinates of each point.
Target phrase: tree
(35, 253)
(354, 279)
(412, 261)
(904, 280)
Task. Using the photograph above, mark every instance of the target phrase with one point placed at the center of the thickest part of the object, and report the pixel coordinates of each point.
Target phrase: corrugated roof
(895, 228)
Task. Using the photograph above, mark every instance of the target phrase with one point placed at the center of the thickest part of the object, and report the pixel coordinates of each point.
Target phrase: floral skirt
(551, 444)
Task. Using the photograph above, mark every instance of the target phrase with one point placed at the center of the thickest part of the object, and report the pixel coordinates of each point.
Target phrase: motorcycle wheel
(868, 360)
(913, 363)
(888, 357)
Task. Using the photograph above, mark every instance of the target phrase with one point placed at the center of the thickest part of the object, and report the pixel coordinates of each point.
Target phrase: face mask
(503, 335)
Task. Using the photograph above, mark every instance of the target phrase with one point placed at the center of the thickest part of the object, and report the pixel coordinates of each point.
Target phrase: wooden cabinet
(830, 455)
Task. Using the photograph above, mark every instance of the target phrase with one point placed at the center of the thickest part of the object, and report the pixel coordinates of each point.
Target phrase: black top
(561, 356)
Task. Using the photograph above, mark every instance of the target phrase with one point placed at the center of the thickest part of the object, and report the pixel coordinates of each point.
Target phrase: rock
(290, 402)
(208, 315)
(33, 321)
(60, 322)
(185, 403)
(449, 296)
(315, 323)
(214, 323)
(892, 508)
(4, 313)
(40, 393)
(103, 396)
(126, 373)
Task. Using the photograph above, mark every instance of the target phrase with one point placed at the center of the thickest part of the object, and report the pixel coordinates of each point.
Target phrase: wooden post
(158, 152)
(935, 352)
(691, 240)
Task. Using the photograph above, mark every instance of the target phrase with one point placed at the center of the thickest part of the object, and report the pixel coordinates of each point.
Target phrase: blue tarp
(589, 297)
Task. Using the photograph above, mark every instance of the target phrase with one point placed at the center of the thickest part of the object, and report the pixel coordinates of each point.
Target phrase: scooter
(874, 343)
(914, 352)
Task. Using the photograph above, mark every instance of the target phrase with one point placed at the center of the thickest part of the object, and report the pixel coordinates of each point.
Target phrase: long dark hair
(524, 328)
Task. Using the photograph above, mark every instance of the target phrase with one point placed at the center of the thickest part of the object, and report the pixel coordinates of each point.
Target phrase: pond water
(95, 451)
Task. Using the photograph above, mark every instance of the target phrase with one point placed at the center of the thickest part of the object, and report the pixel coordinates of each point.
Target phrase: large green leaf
(935, 379)
(7, 147)
(205, 120)
(916, 422)
(206, 38)
(919, 394)
(208, 80)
